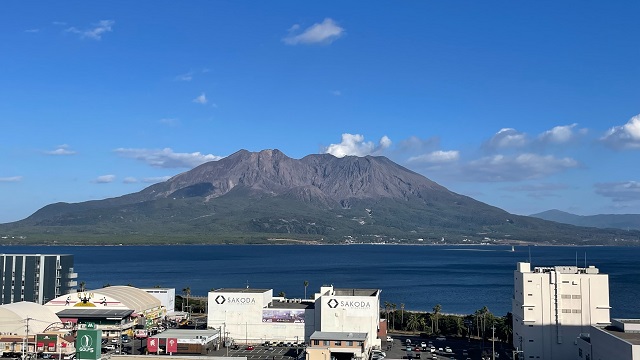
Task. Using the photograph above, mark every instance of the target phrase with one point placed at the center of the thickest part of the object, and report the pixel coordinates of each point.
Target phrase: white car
(448, 350)
(389, 338)
(441, 338)
(378, 353)
(423, 345)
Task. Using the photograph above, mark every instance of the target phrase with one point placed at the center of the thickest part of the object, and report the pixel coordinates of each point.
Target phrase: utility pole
(26, 339)
(493, 342)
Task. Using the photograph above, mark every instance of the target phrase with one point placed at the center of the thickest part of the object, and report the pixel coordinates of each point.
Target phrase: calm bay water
(460, 278)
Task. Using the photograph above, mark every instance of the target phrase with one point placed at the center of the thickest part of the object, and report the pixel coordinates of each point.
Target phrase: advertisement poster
(283, 316)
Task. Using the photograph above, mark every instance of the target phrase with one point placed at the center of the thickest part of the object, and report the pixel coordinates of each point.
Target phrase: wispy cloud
(515, 168)
(202, 99)
(170, 121)
(95, 32)
(185, 77)
(105, 179)
(436, 157)
(626, 136)
(166, 158)
(61, 150)
(325, 32)
(354, 144)
(561, 134)
(130, 180)
(157, 179)
(619, 191)
(11, 179)
(506, 138)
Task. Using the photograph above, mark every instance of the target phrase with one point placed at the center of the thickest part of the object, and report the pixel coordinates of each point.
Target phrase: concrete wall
(349, 313)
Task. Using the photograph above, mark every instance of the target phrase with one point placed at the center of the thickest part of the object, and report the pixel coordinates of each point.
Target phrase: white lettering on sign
(241, 300)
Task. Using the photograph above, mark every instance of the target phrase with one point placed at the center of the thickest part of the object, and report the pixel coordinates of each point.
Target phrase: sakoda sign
(349, 304)
(234, 300)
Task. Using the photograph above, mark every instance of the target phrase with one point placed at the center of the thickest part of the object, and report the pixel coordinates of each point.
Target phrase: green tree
(394, 307)
(401, 316)
(436, 313)
(282, 294)
(83, 286)
(306, 283)
(187, 292)
(413, 322)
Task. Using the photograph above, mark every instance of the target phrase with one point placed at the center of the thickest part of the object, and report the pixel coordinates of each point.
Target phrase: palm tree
(436, 312)
(82, 286)
(401, 315)
(306, 283)
(282, 294)
(413, 322)
(394, 306)
(387, 306)
(187, 291)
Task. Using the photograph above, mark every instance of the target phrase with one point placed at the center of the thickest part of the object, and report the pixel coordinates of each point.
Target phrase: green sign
(46, 342)
(88, 344)
(90, 325)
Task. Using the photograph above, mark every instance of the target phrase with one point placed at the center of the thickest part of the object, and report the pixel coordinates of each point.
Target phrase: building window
(580, 352)
(360, 343)
(529, 294)
(565, 296)
(576, 296)
(338, 343)
(316, 342)
(325, 342)
(349, 343)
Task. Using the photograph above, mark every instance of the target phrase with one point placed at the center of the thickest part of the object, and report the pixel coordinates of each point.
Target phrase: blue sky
(527, 106)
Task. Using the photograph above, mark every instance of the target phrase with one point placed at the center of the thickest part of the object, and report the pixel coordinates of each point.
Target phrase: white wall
(349, 314)
(166, 296)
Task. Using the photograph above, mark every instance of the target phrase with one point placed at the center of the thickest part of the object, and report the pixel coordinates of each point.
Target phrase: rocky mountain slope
(257, 196)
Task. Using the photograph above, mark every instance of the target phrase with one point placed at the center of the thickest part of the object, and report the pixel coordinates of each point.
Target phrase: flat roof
(187, 333)
(291, 305)
(341, 336)
(631, 337)
(94, 313)
(241, 290)
(355, 292)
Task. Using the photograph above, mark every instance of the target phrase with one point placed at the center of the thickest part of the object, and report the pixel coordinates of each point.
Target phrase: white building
(167, 297)
(254, 316)
(251, 316)
(620, 341)
(553, 306)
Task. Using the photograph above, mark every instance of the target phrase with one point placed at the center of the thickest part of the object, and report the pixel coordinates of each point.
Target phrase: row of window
(335, 343)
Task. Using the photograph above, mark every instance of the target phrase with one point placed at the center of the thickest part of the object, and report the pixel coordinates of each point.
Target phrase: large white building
(552, 306)
(255, 315)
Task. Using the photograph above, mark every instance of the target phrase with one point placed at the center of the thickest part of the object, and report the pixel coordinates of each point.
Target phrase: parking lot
(262, 352)
(397, 349)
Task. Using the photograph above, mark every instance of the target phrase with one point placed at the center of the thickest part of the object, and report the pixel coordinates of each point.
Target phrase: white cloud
(130, 180)
(202, 99)
(515, 168)
(61, 150)
(170, 121)
(166, 158)
(436, 157)
(185, 77)
(156, 179)
(323, 33)
(354, 144)
(104, 179)
(626, 136)
(560, 134)
(11, 179)
(619, 191)
(95, 32)
(507, 138)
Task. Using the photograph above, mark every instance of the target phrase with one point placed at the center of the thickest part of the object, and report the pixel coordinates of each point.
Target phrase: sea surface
(460, 278)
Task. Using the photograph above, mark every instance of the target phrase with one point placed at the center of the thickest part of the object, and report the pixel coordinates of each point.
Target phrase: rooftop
(340, 336)
(90, 313)
(292, 304)
(355, 292)
(633, 337)
(188, 333)
(241, 290)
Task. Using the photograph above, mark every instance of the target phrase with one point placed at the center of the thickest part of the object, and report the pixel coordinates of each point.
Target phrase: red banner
(152, 345)
(172, 345)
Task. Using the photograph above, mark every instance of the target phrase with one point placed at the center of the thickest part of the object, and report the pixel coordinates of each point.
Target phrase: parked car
(409, 348)
(110, 347)
(379, 353)
(250, 347)
(441, 338)
(389, 338)
(448, 350)
(423, 345)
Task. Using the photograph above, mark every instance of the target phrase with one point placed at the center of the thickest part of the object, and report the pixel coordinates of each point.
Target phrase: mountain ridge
(603, 221)
(250, 197)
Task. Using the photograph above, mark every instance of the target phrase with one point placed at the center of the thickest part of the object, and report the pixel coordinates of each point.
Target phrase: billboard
(46, 342)
(88, 344)
(283, 316)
